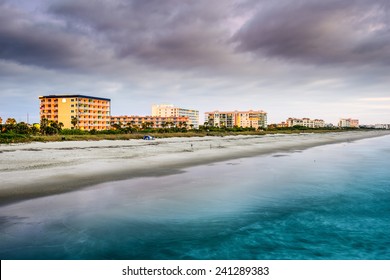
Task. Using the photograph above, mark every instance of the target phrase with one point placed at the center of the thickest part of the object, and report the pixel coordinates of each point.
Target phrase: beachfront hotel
(229, 119)
(382, 126)
(306, 122)
(169, 110)
(77, 111)
(349, 123)
(150, 121)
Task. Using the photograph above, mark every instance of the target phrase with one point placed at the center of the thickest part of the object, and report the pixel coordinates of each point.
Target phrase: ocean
(327, 202)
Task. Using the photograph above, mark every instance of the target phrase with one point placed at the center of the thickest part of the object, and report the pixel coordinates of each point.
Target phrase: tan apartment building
(87, 112)
(306, 122)
(169, 110)
(349, 123)
(229, 119)
(153, 122)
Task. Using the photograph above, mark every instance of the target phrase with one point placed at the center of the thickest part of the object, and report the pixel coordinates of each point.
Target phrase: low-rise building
(306, 122)
(76, 111)
(230, 119)
(345, 123)
(169, 110)
(150, 121)
(382, 126)
(282, 125)
(329, 125)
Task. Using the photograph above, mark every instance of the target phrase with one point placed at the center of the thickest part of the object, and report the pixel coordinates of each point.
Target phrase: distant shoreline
(39, 169)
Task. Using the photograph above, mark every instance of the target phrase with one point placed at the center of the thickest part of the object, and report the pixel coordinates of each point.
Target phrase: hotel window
(72, 100)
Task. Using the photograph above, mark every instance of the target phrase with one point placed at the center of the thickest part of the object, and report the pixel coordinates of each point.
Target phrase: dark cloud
(173, 33)
(320, 32)
(194, 35)
(25, 39)
(77, 35)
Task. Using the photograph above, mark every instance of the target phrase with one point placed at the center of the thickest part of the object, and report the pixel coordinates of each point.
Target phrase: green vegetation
(46, 131)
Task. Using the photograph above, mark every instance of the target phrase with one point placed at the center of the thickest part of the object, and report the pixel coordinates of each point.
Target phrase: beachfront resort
(91, 113)
(81, 111)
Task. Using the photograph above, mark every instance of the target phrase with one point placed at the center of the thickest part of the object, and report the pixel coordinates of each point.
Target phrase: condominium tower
(229, 119)
(77, 111)
(168, 110)
(306, 122)
(348, 123)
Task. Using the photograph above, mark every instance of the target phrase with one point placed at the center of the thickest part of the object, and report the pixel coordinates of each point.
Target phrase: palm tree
(22, 128)
(144, 125)
(164, 126)
(180, 124)
(10, 124)
(129, 127)
(74, 121)
(151, 124)
(10, 121)
(116, 126)
(136, 127)
(44, 125)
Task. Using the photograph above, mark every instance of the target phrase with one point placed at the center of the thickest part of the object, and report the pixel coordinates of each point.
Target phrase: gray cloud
(25, 40)
(79, 35)
(186, 36)
(285, 57)
(326, 32)
(173, 34)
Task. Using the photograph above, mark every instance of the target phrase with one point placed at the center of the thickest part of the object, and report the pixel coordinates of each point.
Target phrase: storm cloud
(167, 32)
(233, 54)
(191, 34)
(26, 40)
(318, 32)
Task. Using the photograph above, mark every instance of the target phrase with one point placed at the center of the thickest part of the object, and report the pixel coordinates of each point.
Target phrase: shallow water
(327, 202)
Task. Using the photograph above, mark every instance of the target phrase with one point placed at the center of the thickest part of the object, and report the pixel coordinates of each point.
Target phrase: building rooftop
(74, 95)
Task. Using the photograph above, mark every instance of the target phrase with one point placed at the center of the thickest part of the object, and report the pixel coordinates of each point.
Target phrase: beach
(40, 169)
(299, 198)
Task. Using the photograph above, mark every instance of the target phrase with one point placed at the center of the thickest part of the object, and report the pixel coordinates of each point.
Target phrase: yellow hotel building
(88, 111)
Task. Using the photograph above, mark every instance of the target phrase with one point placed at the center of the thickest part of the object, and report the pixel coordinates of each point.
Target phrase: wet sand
(40, 169)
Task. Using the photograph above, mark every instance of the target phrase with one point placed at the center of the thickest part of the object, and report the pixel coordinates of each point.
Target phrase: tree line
(46, 127)
(49, 127)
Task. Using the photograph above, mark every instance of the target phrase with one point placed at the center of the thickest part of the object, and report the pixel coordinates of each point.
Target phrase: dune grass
(9, 138)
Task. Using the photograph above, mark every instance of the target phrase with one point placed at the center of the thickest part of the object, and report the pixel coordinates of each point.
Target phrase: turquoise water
(327, 202)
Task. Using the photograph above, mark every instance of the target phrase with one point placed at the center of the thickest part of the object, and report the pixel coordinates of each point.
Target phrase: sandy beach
(40, 169)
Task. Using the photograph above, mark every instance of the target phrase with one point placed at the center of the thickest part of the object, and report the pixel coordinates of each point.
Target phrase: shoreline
(40, 169)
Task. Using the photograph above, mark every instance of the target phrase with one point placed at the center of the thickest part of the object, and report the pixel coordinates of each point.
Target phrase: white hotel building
(169, 110)
(306, 122)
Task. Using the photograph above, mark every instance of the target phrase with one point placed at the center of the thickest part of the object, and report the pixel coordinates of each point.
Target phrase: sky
(326, 59)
